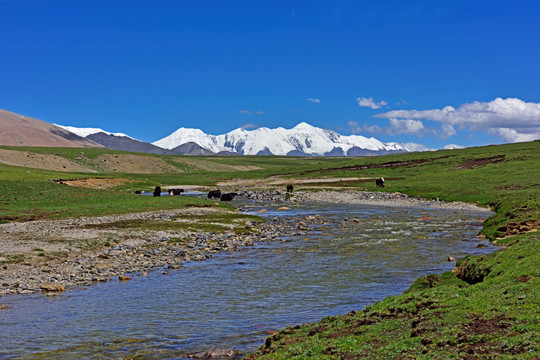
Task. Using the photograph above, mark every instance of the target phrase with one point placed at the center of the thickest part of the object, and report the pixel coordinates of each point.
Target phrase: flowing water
(354, 256)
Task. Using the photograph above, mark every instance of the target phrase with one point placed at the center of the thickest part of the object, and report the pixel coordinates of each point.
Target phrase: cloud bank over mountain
(511, 120)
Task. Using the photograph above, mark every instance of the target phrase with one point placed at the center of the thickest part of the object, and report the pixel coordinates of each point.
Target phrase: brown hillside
(19, 130)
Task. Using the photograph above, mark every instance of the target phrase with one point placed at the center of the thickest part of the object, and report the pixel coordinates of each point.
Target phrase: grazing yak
(228, 196)
(214, 194)
(175, 191)
(379, 182)
(157, 191)
(290, 188)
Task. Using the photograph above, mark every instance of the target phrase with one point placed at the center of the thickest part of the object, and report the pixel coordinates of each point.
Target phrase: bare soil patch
(213, 165)
(94, 183)
(482, 162)
(484, 327)
(41, 161)
(515, 228)
(137, 164)
(278, 181)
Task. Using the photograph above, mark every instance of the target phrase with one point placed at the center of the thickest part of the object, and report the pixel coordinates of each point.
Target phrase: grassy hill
(487, 308)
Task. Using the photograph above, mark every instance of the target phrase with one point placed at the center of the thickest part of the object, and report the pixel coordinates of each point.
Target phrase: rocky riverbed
(55, 255)
(45, 260)
(355, 197)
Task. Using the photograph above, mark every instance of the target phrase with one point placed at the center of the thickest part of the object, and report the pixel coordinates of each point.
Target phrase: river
(352, 256)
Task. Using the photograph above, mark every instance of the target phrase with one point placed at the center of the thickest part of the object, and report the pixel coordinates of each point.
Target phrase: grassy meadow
(488, 308)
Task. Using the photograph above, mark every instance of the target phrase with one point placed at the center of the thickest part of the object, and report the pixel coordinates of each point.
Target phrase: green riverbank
(487, 308)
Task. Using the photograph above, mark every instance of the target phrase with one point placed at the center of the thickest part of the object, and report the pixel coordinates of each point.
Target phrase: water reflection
(351, 257)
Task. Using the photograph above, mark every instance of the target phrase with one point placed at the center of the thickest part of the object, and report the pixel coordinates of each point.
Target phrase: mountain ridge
(127, 143)
(303, 139)
(20, 130)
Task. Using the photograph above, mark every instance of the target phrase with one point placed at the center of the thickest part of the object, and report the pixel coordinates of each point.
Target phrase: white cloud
(510, 119)
(453, 146)
(249, 112)
(512, 135)
(446, 131)
(355, 129)
(415, 147)
(370, 103)
(314, 100)
(412, 127)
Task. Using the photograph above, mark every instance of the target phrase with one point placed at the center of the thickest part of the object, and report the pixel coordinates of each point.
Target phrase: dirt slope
(41, 161)
(19, 130)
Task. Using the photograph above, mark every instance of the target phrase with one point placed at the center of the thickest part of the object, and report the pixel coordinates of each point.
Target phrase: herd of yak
(211, 194)
(230, 196)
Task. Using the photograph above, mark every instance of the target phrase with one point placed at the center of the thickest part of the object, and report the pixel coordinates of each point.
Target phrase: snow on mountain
(118, 141)
(84, 132)
(186, 135)
(302, 139)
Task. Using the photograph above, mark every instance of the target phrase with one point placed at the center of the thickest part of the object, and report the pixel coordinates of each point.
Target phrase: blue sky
(431, 73)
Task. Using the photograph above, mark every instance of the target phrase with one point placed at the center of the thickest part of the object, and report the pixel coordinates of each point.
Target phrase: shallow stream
(350, 257)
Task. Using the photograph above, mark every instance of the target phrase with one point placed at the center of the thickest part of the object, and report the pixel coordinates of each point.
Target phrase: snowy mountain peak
(84, 132)
(188, 135)
(303, 139)
(304, 126)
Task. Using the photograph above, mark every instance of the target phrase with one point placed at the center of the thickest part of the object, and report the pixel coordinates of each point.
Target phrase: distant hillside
(126, 143)
(19, 130)
(118, 141)
(191, 148)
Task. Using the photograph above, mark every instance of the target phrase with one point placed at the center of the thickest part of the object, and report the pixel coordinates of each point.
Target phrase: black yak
(157, 191)
(228, 196)
(175, 191)
(379, 182)
(290, 188)
(214, 194)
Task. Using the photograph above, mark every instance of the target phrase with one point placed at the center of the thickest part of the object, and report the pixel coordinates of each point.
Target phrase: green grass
(30, 199)
(487, 309)
(30, 194)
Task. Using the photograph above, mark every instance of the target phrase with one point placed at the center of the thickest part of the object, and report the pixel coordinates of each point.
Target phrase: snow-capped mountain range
(85, 132)
(302, 140)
